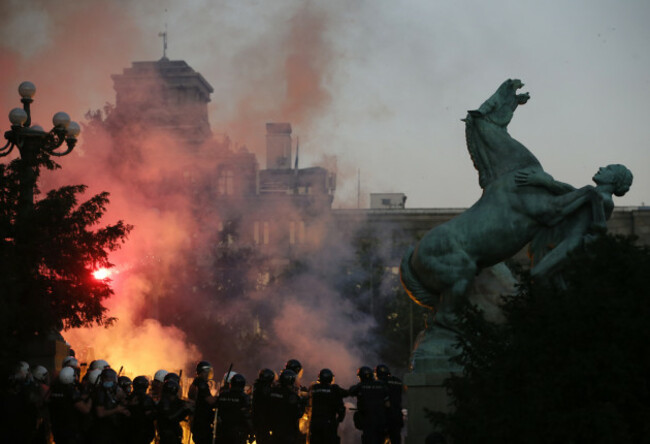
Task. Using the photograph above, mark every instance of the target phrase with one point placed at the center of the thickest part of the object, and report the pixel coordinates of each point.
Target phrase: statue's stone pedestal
(425, 390)
(431, 366)
(48, 351)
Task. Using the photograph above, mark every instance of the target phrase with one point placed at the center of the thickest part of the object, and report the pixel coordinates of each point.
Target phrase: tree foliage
(568, 366)
(47, 257)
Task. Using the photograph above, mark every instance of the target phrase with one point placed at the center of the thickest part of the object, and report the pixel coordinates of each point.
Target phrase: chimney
(278, 146)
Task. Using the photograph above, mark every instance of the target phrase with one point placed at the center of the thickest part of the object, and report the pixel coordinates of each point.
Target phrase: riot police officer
(327, 409)
(42, 381)
(205, 403)
(395, 420)
(171, 411)
(287, 409)
(140, 427)
(67, 408)
(157, 383)
(233, 406)
(295, 366)
(108, 411)
(261, 405)
(373, 401)
(20, 413)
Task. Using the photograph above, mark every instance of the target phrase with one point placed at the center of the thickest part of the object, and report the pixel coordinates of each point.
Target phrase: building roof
(278, 128)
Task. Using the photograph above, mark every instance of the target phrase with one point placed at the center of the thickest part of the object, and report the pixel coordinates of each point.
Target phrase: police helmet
(140, 384)
(108, 374)
(170, 387)
(202, 366)
(237, 382)
(92, 376)
(66, 375)
(40, 373)
(21, 371)
(71, 361)
(125, 383)
(325, 376)
(287, 378)
(99, 364)
(382, 371)
(160, 375)
(266, 375)
(228, 376)
(295, 365)
(67, 360)
(365, 373)
(173, 376)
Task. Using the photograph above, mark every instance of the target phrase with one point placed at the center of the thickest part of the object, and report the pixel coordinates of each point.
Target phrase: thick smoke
(286, 76)
(67, 49)
(172, 306)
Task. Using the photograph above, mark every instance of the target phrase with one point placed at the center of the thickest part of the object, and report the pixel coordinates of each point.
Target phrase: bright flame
(101, 273)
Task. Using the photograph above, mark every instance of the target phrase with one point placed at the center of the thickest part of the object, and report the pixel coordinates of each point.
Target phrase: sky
(378, 85)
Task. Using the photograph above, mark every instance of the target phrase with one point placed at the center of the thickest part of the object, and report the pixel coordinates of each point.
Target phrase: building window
(226, 183)
(266, 233)
(301, 232)
(256, 232)
(292, 232)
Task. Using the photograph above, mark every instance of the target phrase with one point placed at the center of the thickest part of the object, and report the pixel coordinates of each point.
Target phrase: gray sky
(390, 80)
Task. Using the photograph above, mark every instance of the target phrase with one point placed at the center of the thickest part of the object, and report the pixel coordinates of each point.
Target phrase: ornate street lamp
(30, 140)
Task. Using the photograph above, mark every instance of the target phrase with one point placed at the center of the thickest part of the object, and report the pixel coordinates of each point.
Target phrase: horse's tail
(414, 288)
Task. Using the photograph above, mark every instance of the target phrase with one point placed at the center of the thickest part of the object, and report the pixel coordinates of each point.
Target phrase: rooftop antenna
(295, 167)
(359, 188)
(164, 36)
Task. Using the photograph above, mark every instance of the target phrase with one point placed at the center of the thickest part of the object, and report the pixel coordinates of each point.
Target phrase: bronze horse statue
(520, 204)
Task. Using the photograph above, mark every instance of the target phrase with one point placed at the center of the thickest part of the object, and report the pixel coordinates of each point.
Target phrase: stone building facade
(283, 210)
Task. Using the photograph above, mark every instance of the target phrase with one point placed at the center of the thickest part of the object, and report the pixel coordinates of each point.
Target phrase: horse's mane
(482, 165)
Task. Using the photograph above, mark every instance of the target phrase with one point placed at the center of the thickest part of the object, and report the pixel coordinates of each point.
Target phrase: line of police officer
(106, 408)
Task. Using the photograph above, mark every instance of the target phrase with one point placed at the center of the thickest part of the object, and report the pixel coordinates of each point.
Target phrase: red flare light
(101, 274)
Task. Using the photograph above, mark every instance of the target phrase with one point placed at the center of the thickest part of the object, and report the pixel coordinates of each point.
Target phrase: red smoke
(287, 78)
(284, 78)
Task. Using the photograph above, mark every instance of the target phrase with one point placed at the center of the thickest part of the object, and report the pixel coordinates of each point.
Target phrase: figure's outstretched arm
(542, 179)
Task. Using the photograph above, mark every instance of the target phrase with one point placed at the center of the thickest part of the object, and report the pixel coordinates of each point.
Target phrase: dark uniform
(327, 409)
(395, 419)
(372, 405)
(20, 409)
(287, 409)
(41, 377)
(171, 411)
(233, 407)
(140, 427)
(199, 392)
(108, 426)
(65, 417)
(261, 406)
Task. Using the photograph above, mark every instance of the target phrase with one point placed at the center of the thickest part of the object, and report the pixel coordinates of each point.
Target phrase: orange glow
(102, 274)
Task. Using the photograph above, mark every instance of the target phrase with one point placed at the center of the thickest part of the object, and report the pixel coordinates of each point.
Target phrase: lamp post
(31, 142)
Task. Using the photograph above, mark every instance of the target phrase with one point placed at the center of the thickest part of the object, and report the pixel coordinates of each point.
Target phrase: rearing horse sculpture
(520, 203)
